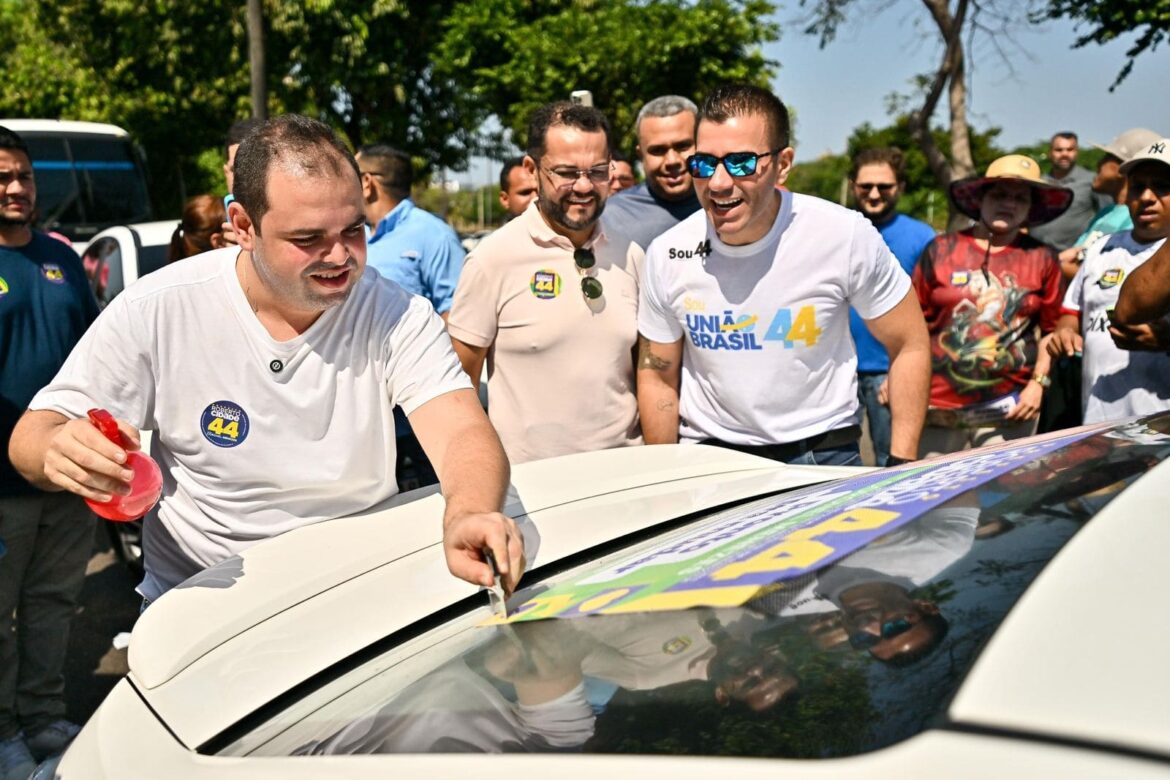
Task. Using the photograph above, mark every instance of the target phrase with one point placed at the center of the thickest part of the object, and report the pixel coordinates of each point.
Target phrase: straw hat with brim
(1049, 201)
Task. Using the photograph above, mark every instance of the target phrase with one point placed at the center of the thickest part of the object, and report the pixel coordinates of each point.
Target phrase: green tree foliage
(172, 73)
(1149, 19)
(924, 197)
(366, 68)
(424, 77)
(518, 54)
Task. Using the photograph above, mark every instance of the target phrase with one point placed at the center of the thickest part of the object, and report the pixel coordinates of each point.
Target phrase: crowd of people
(332, 334)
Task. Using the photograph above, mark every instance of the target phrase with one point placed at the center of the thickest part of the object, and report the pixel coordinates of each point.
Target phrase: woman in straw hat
(984, 291)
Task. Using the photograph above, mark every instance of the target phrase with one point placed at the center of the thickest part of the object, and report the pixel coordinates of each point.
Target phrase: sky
(1053, 87)
(1049, 86)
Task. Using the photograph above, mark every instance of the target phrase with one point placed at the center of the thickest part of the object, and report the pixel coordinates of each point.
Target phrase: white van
(89, 176)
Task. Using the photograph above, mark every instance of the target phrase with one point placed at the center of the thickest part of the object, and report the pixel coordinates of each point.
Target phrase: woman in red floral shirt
(985, 292)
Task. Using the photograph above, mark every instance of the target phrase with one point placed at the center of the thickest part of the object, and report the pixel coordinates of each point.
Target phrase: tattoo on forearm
(647, 359)
(665, 405)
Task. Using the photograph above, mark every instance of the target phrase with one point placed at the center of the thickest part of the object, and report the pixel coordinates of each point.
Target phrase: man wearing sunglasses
(877, 183)
(550, 302)
(744, 320)
(666, 137)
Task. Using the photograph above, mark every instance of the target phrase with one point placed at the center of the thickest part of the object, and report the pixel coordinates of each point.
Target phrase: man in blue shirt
(877, 184)
(45, 306)
(411, 246)
(417, 250)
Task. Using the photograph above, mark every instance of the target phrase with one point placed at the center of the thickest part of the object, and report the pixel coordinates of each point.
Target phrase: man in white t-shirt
(744, 315)
(269, 375)
(1117, 383)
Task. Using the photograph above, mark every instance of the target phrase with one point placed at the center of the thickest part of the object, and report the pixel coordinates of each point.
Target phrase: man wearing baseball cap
(1118, 383)
(1110, 181)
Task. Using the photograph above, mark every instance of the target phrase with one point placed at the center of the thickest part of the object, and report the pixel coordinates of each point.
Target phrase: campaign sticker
(960, 278)
(676, 645)
(3, 287)
(1111, 278)
(545, 284)
(53, 273)
(224, 424)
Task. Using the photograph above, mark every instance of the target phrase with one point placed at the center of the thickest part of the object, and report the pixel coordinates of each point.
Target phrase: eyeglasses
(738, 164)
(567, 177)
(884, 189)
(590, 285)
(863, 640)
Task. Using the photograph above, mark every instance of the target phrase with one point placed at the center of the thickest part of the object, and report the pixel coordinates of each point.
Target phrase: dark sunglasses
(702, 165)
(884, 189)
(890, 629)
(590, 285)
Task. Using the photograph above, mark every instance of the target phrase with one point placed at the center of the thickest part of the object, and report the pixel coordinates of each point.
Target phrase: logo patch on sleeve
(53, 273)
(224, 424)
(545, 284)
(3, 287)
(960, 278)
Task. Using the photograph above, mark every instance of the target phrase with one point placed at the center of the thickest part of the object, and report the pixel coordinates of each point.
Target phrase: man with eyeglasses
(550, 302)
(744, 326)
(666, 136)
(877, 182)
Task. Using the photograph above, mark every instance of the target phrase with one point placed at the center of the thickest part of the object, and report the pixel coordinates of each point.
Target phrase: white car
(690, 612)
(121, 255)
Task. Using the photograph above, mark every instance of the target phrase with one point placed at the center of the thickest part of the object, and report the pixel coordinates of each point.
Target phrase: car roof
(62, 126)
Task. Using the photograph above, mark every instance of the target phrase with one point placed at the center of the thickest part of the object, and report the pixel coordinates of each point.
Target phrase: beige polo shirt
(560, 367)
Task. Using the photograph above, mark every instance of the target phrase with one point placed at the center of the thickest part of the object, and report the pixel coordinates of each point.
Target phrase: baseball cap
(1158, 151)
(1130, 143)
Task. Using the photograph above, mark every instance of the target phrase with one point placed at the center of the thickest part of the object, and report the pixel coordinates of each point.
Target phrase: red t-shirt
(982, 311)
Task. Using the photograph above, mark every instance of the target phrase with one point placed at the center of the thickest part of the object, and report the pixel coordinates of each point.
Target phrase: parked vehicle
(90, 176)
(690, 612)
(119, 256)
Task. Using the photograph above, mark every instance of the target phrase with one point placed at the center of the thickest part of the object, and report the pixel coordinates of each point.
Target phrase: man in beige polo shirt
(552, 305)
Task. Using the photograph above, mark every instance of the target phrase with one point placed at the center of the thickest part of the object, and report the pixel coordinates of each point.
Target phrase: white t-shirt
(255, 436)
(768, 358)
(1115, 383)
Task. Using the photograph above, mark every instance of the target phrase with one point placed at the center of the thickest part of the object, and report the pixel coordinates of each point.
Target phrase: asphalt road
(108, 605)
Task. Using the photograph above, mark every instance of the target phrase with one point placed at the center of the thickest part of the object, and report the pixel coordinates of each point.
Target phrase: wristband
(894, 460)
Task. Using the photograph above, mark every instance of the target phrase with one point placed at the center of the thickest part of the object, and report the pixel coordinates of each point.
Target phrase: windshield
(86, 183)
(854, 656)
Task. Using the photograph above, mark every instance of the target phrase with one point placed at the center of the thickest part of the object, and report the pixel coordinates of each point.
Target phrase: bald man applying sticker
(270, 374)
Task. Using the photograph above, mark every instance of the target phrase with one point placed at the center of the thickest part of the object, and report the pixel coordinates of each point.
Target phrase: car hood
(330, 589)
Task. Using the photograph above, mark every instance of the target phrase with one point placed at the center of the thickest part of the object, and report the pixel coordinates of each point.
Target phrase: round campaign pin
(276, 366)
(224, 424)
(545, 284)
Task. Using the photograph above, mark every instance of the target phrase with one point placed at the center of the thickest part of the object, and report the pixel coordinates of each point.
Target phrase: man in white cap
(1118, 383)
(1110, 181)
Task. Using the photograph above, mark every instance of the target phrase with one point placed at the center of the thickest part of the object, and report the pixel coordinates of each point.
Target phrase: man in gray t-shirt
(1064, 231)
(666, 136)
